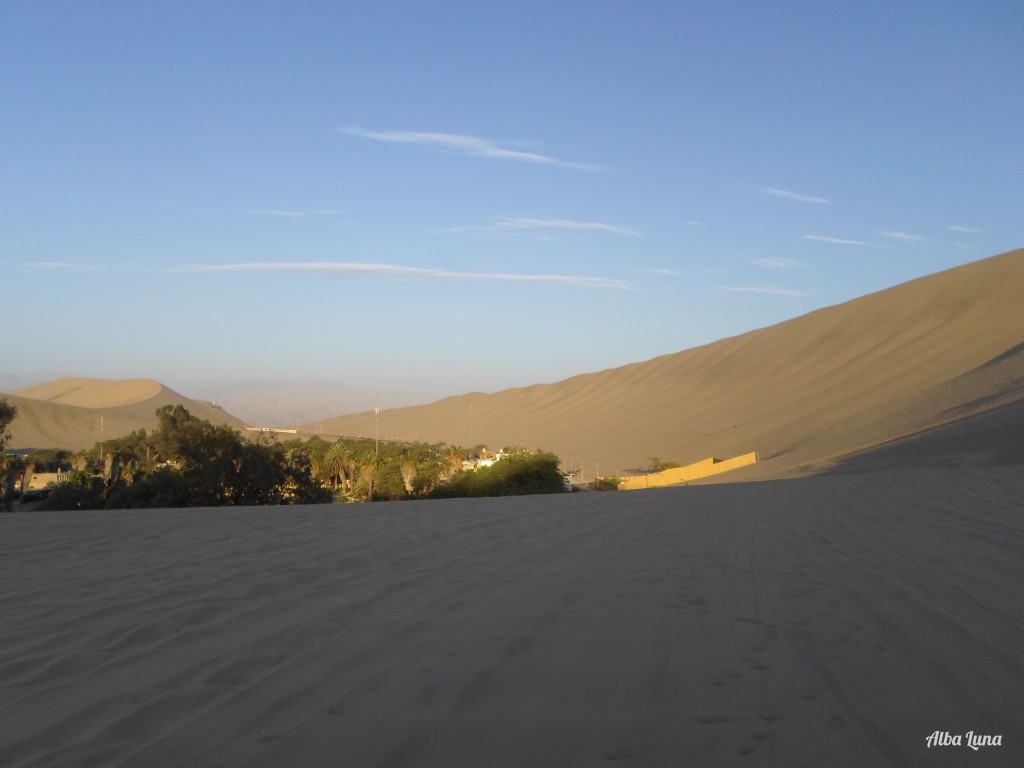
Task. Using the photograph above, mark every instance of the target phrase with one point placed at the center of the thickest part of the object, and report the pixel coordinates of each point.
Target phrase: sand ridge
(93, 393)
(837, 380)
(75, 413)
(837, 619)
(840, 379)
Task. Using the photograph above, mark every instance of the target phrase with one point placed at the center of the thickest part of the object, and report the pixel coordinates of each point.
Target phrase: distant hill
(76, 413)
(922, 354)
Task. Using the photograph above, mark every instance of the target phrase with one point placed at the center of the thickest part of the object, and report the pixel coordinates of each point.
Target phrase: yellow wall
(45, 479)
(704, 468)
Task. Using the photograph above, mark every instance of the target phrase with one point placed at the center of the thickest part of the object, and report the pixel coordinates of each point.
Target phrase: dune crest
(76, 413)
(847, 377)
(93, 393)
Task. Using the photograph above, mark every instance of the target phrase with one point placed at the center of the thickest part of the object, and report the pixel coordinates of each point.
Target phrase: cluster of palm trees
(363, 469)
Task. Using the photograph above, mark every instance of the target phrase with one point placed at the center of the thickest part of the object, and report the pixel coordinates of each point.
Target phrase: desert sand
(93, 393)
(834, 620)
(894, 363)
(843, 378)
(77, 413)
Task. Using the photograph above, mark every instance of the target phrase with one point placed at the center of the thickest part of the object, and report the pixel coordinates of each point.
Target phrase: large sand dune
(835, 620)
(76, 413)
(840, 379)
(93, 393)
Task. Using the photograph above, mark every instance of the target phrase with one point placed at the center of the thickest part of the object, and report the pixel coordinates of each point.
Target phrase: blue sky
(436, 198)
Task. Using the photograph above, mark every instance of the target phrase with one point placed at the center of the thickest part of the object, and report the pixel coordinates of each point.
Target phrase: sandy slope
(93, 393)
(78, 413)
(835, 380)
(835, 620)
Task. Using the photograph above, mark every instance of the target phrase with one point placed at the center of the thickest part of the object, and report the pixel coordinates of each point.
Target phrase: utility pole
(376, 424)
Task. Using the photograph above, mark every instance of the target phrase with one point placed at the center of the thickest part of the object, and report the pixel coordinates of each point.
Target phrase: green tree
(9, 465)
(657, 465)
(257, 476)
(7, 413)
(519, 474)
(409, 469)
(162, 487)
(388, 483)
(11, 470)
(335, 462)
(301, 485)
(208, 455)
(201, 464)
(367, 476)
(80, 491)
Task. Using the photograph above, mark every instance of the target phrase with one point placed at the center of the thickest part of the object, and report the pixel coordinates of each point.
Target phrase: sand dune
(75, 413)
(93, 393)
(835, 620)
(843, 378)
(799, 393)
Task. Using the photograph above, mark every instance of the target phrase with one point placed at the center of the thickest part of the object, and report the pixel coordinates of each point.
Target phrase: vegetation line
(189, 462)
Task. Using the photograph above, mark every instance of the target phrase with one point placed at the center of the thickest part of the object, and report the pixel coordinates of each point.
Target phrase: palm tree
(367, 473)
(335, 462)
(408, 469)
(453, 461)
(80, 460)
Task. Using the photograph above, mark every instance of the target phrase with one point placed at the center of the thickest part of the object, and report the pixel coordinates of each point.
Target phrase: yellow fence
(704, 468)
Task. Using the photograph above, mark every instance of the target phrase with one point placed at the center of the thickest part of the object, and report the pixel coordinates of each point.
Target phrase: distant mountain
(285, 403)
(76, 413)
(893, 363)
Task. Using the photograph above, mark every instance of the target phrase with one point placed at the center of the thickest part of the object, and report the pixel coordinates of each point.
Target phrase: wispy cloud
(565, 224)
(839, 241)
(397, 272)
(290, 213)
(518, 226)
(904, 236)
(42, 266)
(776, 263)
(764, 290)
(963, 230)
(663, 271)
(788, 195)
(66, 266)
(474, 146)
(334, 269)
